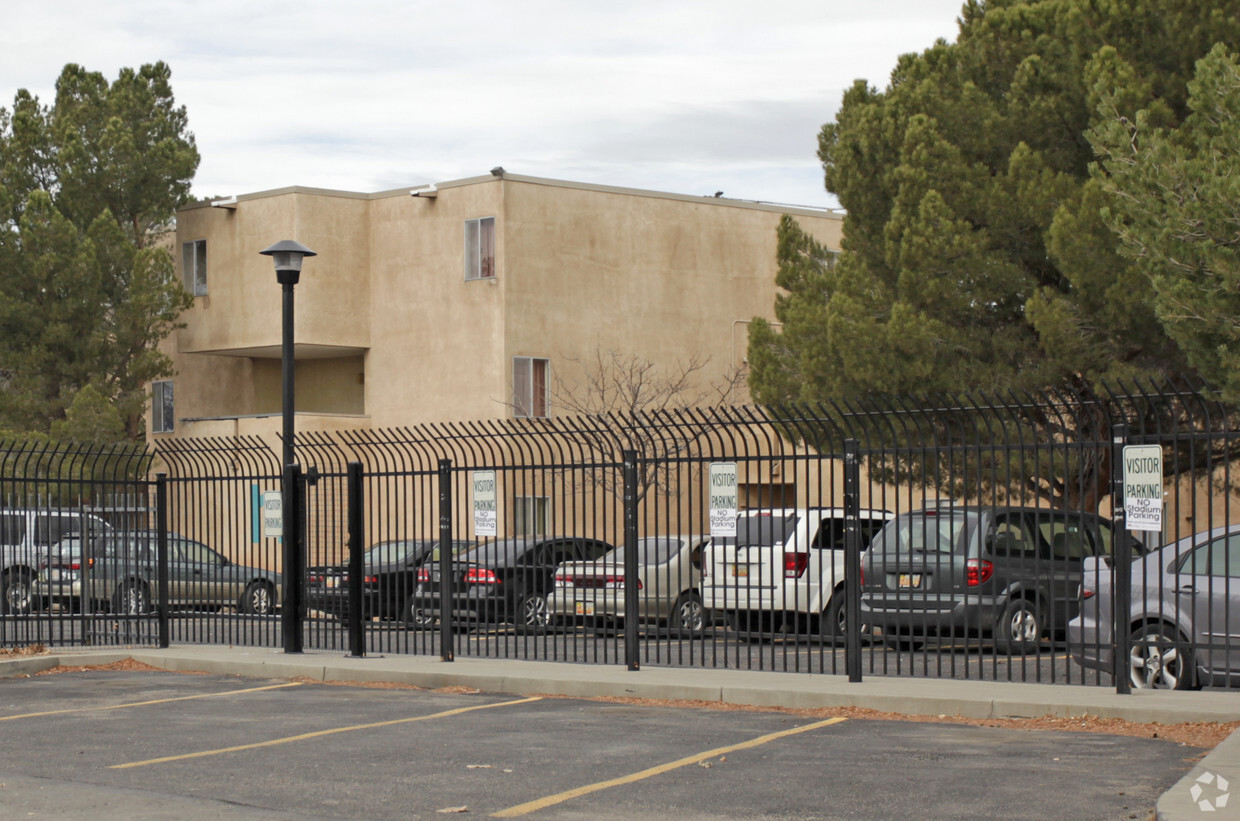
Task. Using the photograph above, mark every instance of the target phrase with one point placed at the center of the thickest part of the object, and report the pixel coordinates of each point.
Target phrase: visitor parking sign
(1143, 487)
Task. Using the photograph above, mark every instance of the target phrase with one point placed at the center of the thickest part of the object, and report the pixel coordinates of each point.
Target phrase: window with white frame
(529, 387)
(530, 515)
(161, 407)
(194, 266)
(480, 248)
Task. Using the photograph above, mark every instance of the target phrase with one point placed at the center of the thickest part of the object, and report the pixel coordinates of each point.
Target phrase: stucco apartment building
(458, 301)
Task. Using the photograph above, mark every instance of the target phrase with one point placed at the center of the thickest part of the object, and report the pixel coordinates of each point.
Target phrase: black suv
(1013, 573)
(507, 580)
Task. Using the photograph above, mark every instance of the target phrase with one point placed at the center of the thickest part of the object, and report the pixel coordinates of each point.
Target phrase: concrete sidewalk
(909, 696)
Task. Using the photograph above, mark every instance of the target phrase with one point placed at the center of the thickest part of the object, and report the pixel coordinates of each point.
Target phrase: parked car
(508, 580)
(390, 570)
(120, 573)
(1184, 619)
(784, 570)
(1013, 573)
(26, 537)
(669, 576)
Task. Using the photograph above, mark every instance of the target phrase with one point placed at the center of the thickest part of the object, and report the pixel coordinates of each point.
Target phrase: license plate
(909, 580)
(740, 571)
(585, 608)
(331, 582)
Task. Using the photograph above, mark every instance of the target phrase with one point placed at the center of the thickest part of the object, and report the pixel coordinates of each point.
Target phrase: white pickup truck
(783, 570)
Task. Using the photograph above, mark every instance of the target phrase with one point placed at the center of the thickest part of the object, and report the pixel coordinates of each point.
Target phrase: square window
(529, 387)
(161, 407)
(480, 248)
(194, 266)
(530, 515)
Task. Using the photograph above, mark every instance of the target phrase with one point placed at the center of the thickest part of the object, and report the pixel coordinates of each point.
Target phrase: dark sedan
(390, 571)
(508, 580)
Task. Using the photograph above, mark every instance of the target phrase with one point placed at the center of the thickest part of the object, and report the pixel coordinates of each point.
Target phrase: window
(194, 266)
(529, 387)
(530, 515)
(161, 407)
(480, 248)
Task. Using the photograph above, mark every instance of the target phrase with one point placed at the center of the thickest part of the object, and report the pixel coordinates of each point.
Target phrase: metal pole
(630, 560)
(447, 638)
(852, 559)
(1121, 573)
(161, 557)
(357, 643)
(290, 613)
(286, 362)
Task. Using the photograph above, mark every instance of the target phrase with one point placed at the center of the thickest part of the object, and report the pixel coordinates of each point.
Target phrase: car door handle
(1186, 590)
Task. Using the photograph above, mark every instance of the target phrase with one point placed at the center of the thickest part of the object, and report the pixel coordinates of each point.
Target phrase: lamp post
(287, 256)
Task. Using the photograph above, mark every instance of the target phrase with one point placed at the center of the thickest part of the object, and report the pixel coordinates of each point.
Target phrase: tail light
(562, 580)
(1086, 594)
(424, 575)
(617, 583)
(978, 571)
(795, 564)
(861, 576)
(371, 579)
(480, 575)
(315, 578)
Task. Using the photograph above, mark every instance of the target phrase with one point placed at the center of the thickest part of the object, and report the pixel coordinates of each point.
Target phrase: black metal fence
(971, 537)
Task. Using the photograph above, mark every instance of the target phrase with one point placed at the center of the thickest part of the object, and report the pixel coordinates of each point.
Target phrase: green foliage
(1174, 201)
(87, 286)
(980, 253)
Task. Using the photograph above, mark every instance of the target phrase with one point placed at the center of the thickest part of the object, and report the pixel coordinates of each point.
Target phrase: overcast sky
(368, 95)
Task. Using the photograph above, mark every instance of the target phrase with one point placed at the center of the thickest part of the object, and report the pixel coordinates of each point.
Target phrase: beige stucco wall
(389, 331)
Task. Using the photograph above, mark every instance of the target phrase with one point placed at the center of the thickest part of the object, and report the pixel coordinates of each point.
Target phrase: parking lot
(147, 745)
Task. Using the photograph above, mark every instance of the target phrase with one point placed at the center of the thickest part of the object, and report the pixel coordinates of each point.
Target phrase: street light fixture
(288, 255)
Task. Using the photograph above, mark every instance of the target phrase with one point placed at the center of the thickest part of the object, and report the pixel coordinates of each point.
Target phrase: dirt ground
(1202, 734)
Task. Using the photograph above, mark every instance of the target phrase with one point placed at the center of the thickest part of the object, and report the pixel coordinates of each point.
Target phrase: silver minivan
(27, 536)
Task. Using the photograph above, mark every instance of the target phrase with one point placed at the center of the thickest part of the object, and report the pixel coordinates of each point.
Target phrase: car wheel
(1020, 628)
(258, 599)
(1159, 659)
(132, 599)
(18, 595)
(417, 617)
(533, 613)
(687, 613)
(898, 641)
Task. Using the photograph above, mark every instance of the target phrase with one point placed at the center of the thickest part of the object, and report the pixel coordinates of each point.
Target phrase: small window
(529, 387)
(480, 248)
(161, 407)
(530, 515)
(194, 266)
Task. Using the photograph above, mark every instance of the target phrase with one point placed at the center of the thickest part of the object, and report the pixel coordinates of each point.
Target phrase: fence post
(852, 559)
(631, 603)
(161, 558)
(1121, 572)
(357, 640)
(290, 613)
(447, 638)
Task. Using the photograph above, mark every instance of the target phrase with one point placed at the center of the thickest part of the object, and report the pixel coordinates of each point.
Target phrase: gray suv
(1013, 573)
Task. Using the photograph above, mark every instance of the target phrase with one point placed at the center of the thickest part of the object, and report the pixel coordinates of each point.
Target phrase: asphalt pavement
(1210, 781)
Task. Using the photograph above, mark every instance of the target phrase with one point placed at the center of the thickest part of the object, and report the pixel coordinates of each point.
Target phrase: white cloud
(688, 96)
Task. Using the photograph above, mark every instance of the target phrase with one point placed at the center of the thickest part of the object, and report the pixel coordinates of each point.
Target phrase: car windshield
(762, 529)
(394, 552)
(502, 552)
(651, 550)
(922, 532)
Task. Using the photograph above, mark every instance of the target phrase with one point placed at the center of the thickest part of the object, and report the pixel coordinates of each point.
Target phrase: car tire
(687, 613)
(1020, 628)
(258, 599)
(533, 613)
(417, 617)
(17, 598)
(899, 641)
(750, 626)
(1160, 659)
(132, 599)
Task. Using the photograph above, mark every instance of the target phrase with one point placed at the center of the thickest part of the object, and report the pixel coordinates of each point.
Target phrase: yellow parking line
(145, 703)
(318, 734)
(551, 800)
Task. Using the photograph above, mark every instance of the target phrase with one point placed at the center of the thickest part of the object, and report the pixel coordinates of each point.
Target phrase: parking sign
(1143, 487)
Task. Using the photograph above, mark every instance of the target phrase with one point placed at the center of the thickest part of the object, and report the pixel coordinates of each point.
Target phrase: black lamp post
(288, 255)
